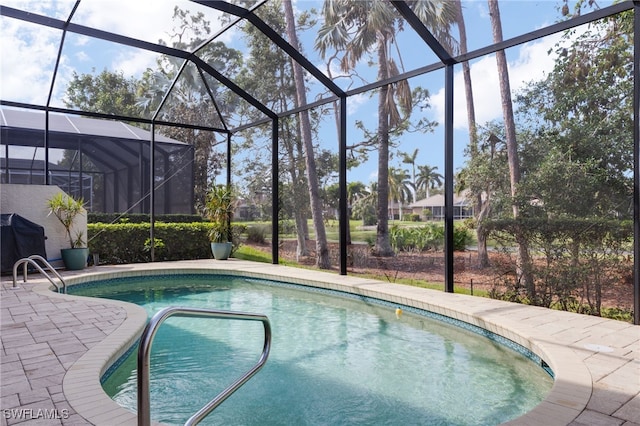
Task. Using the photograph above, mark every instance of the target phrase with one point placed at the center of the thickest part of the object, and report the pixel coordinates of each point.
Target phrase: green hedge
(129, 242)
(141, 218)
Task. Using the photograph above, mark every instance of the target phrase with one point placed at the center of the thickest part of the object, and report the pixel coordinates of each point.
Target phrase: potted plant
(66, 208)
(220, 205)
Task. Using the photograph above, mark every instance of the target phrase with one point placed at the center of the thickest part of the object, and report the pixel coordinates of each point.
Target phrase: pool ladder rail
(33, 261)
(144, 356)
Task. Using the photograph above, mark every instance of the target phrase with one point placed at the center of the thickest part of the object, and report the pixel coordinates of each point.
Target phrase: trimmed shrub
(286, 226)
(411, 217)
(461, 238)
(141, 218)
(258, 233)
(125, 242)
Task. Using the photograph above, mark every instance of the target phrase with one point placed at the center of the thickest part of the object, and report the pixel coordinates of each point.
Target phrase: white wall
(30, 202)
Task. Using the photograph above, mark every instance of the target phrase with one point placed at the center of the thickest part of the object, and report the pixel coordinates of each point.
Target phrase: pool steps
(144, 358)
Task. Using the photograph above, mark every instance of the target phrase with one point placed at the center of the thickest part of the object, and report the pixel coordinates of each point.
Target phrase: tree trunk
(480, 210)
(523, 261)
(298, 196)
(383, 245)
(322, 249)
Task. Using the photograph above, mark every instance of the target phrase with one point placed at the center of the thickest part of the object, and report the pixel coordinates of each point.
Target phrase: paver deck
(56, 347)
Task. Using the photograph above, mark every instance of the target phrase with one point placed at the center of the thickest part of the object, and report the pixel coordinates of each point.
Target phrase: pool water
(333, 360)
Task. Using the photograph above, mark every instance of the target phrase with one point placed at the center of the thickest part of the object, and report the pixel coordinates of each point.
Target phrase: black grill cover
(19, 238)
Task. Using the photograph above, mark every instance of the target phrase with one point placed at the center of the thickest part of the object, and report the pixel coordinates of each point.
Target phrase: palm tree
(523, 259)
(400, 187)
(322, 249)
(428, 178)
(411, 159)
(357, 28)
(355, 190)
(481, 206)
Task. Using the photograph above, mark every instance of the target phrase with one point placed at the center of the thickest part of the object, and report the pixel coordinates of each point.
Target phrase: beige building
(432, 208)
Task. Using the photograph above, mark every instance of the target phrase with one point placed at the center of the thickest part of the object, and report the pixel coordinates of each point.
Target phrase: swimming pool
(333, 360)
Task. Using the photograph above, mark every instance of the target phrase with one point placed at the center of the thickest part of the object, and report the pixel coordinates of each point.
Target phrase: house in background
(432, 208)
(107, 162)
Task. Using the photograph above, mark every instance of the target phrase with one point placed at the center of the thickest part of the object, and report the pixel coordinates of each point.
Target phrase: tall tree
(322, 249)
(109, 92)
(361, 28)
(581, 120)
(523, 259)
(480, 204)
(268, 76)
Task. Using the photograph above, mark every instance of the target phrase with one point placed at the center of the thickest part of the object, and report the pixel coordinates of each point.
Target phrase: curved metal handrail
(31, 260)
(144, 356)
(49, 267)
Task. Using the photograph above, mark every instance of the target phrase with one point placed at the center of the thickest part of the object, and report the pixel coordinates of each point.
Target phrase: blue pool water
(334, 360)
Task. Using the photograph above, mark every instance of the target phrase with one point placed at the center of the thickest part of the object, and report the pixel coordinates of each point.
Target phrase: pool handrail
(144, 357)
(31, 260)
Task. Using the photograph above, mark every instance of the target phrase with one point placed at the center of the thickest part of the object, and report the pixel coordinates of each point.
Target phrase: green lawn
(358, 234)
(249, 253)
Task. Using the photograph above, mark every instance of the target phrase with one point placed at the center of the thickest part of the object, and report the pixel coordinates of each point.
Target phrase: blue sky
(29, 52)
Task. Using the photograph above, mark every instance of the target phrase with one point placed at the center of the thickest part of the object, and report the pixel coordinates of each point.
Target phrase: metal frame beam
(636, 163)
(276, 39)
(448, 180)
(418, 26)
(342, 186)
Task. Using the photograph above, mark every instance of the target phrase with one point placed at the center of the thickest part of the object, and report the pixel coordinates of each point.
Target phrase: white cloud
(356, 101)
(29, 51)
(149, 20)
(82, 56)
(373, 176)
(139, 19)
(134, 63)
(28, 58)
(532, 63)
(59, 9)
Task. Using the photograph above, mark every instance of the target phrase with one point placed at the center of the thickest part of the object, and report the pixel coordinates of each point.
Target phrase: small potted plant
(66, 208)
(220, 205)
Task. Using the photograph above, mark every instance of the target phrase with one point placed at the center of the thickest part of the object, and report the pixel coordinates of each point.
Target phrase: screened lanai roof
(94, 35)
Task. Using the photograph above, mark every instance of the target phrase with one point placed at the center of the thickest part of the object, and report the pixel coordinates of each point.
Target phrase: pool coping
(575, 346)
